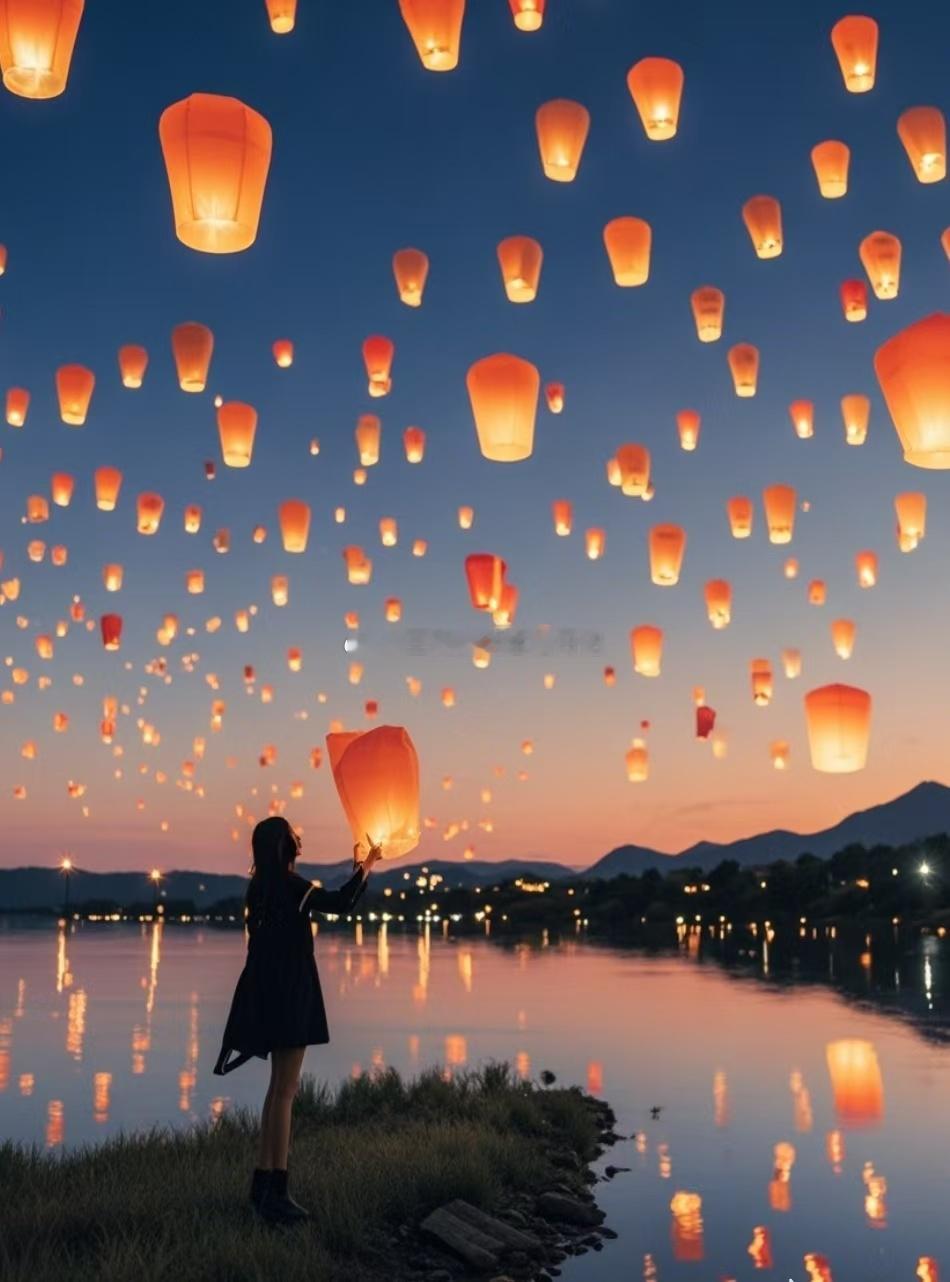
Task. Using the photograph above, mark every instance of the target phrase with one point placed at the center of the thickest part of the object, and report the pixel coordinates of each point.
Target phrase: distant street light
(155, 877)
(66, 868)
(924, 870)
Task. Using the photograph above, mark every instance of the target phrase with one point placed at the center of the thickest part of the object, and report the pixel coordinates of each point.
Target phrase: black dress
(278, 1002)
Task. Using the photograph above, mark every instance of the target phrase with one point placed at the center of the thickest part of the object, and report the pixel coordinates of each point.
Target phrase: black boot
(260, 1182)
(278, 1205)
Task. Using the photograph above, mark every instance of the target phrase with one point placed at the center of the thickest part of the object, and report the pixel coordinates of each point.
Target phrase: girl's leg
(264, 1145)
(286, 1063)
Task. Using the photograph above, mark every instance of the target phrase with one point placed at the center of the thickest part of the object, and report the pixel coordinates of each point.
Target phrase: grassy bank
(373, 1155)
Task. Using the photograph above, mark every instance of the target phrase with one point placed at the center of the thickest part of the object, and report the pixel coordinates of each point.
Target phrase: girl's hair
(274, 849)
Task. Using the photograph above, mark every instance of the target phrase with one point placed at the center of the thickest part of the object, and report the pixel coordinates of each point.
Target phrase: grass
(375, 1153)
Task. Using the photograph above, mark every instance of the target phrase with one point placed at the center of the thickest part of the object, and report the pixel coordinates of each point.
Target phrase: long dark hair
(274, 849)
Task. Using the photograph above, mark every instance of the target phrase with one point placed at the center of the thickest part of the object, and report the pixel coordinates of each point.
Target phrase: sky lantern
(705, 722)
(610, 676)
(414, 443)
(762, 216)
(3, 259)
(133, 362)
(628, 242)
(744, 366)
(110, 626)
(792, 663)
(741, 513)
(667, 545)
(779, 502)
(504, 616)
(911, 509)
(709, 306)
(411, 270)
(419, 547)
(854, 39)
(562, 128)
(913, 369)
(486, 577)
(62, 486)
(37, 38)
(378, 353)
(217, 153)
(388, 531)
(283, 350)
(817, 592)
(466, 517)
(528, 14)
(638, 762)
(192, 346)
(839, 724)
(854, 300)
(881, 258)
(368, 431)
(802, 414)
(856, 1082)
(192, 518)
(843, 632)
(687, 425)
(634, 462)
(865, 563)
(760, 673)
(392, 610)
(436, 30)
(923, 131)
(718, 595)
(294, 524)
(831, 160)
(646, 648)
(614, 476)
(37, 509)
(108, 482)
(149, 508)
(74, 386)
(447, 697)
(237, 425)
(562, 511)
(656, 87)
(195, 582)
(503, 391)
(377, 779)
(359, 567)
(18, 404)
(279, 589)
(520, 259)
(595, 543)
(554, 395)
(282, 15)
(855, 412)
(779, 752)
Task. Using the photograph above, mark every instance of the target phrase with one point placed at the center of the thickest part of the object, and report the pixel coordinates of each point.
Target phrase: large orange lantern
(368, 432)
(217, 153)
(133, 362)
(628, 242)
(563, 512)
(192, 347)
(839, 724)
(688, 423)
(709, 307)
(528, 14)
(520, 259)
(74, 386)
(378, 353)
(377, 779)
(656, 87)
(923, 131)
(854, 300)
(762, 216)
(741, 513)
(294, 524)
(865, 564)
(486, 580)
(646, 647)
(562, 128)
(504, 616)
(108, 482)
(718, 594)
(37, 38)
(856, 1081)
(881, 258)
(779, 502)
(911, 509)
(843, 633)
(414, 443)
(237, 425)
(854, 39)
(760, 673)
(802, 414)
(282, 15)
(913, 369)
(411, 270)
(830, 161)
(504, 391)
(744, 366)
(148, 513)
(667, 546)
(634, 462)
(855, 413)
(61, 488)
(436, 30)
(17, 406)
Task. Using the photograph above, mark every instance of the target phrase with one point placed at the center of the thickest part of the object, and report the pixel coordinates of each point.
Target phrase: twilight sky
(372, 154)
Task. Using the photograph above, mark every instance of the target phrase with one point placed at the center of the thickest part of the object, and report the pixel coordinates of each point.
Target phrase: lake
(801, 1127)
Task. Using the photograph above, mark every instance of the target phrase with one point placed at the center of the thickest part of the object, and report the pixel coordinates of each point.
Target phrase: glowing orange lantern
(856, 1081)
(843, 632)
(368, 432)
(528, 14)
(61, 488)
(595, 543)
(283, 350)
(792, 663)
(802, 414)
(638, 762)
(744, 366)
(911, 511)
(760, 671)
(359, 567)
(687, 425)
(923, 131)
(108, 482)
(634, 463)
(709, 306)
(37, 38)
(503, 391)
(779, 751)
(854, 300)
(377, 779)
(436, 30)
(388, 531)
(520, 259)
(110, 626)
(667, 545)
(414, 443)
(817, 592)
(486, 578)
(554, 395)
(133, 362)
(393, 609)
(37, 509)
(865, 563)
(217, 153)
(839, 722)
(237, 424)
(411, 269)
(466, 517)
(855, 411)
(854, 39)
(628, 242)
(779, 502)
(762, 216)
(282, 15)
(280, 589)
(74, 386)
(646, 647)
(563, 513)
(192, 347)
(294, 524)
(831, 160)
(112, 576)
(912, 370)
(718, 594)
(656, 87)
(378, 355)
(18, 403)
(741, 513)
(881, 258)
(562, 128)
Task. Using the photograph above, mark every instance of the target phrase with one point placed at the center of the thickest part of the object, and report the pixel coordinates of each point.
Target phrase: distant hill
(922, 812)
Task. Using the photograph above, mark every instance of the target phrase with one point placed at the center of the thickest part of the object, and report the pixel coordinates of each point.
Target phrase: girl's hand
(374, 855)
